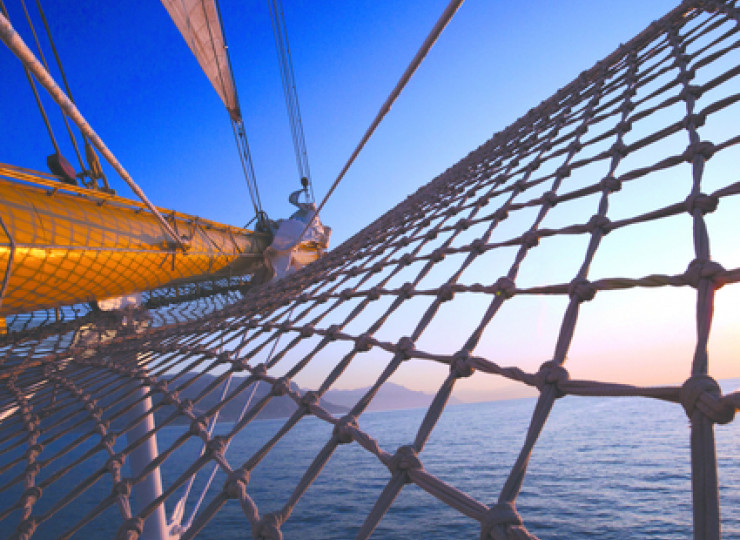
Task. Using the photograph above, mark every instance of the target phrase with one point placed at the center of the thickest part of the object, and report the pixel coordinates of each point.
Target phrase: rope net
(642, 126)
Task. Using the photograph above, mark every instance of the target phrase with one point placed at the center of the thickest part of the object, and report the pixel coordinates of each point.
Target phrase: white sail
(199, 23)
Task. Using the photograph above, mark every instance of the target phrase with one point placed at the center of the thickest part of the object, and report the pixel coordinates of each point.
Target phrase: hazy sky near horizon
(135, 80)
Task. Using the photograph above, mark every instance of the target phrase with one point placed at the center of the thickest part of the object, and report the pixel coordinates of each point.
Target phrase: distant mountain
(338, 402)
(390, 397)
(278, 407)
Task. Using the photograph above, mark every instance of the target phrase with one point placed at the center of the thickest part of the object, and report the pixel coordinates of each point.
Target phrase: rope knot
(693, 121)
(437, 255)
(446, 293)
(703, 393)
(27, 527)
(332, 332)
(236, 484)
(601, 223)
(364, 343)
(216, 446)
(461, 365)
(582, 290)
(406, 259)
(501, 214)
(31, 495)
(114, 464)
(309, 399)
(122, 488)
(533, 166)
(268, 528)
(699, 269)
(259, 371)
(704, 149)
(405, 347)
(32, 469)
(619, 150)
(463, 224)
(343, 429)
(519, 186)
(407, 290)
(625, 126)
(405, 459)
(505, 287)
(131, 529)
(307, 331)
(478, 246)
(550, 198)
(280, 387)
(198, 428)
(702, 202)
(530, 239)
(346, 294)
(374, 293)
(431, 235)
(34, 451)
(551, 373)
(610, 184)
(563, 171)
(503, 522)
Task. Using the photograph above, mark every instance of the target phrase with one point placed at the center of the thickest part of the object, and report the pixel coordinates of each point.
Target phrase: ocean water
(604, 468)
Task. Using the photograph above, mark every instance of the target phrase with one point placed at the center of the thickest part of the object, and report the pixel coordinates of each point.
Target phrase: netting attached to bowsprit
(613, 184)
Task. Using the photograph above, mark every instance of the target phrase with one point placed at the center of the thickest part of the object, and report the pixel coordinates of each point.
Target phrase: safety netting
(634, 161)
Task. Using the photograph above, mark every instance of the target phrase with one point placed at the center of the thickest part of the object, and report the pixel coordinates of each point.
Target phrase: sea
(603, 468)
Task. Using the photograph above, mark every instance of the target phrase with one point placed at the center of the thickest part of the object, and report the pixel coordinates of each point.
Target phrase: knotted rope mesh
(649, 111)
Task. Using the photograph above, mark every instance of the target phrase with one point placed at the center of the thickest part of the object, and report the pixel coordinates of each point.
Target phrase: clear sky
(137, 83)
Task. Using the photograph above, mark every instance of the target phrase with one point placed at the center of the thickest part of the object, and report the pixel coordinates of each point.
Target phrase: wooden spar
(16, 44)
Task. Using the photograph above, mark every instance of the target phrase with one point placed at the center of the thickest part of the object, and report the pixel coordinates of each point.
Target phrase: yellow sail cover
(63, 245)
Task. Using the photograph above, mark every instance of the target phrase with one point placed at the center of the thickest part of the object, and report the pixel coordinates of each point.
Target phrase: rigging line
(242, 146)
(301, 136)
(245, 167)
(282, 47)
(15, 43)
(40, 105)
(64, 78)
(442, 22)
(236, 115)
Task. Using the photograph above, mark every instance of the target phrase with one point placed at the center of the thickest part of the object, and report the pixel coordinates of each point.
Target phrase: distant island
(391, 396)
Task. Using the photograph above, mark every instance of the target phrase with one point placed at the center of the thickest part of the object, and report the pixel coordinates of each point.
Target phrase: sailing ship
(85, 371)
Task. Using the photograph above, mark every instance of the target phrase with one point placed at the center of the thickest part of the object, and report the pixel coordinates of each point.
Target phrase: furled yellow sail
(199, 23)
(61, 245)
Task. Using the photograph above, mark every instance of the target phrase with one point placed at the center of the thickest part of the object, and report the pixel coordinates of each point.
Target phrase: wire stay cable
(442, 22)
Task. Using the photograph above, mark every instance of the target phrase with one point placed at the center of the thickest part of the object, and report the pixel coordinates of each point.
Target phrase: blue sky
(135, 80)
(137, 83)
